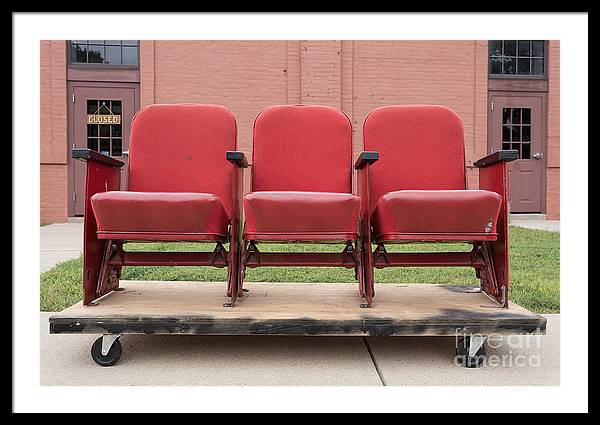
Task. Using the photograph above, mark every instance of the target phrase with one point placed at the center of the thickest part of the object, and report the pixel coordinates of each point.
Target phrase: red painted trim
(161, 236)
(172, 259)
(435, 237)
(428, 259)
(301, 237)
(310, 259)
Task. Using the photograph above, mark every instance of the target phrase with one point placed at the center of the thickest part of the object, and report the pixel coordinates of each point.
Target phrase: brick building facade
(355, 76)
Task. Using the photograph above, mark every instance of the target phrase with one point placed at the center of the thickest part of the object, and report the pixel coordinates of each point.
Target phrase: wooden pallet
(295, 309)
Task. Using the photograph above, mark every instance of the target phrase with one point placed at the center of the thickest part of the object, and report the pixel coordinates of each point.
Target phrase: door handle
(537, 155)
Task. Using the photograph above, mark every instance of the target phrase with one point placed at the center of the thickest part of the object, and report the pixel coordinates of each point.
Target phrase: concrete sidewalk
(290, 361)
(58, 243)
(531, 221)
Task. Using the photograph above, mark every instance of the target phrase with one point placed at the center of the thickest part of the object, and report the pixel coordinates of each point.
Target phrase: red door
(100, 120)
(516, 122)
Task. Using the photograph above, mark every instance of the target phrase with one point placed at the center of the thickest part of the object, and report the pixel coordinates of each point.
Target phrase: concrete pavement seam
(377, 369)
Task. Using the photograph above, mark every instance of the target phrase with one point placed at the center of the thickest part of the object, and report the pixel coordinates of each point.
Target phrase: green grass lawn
(534, 264)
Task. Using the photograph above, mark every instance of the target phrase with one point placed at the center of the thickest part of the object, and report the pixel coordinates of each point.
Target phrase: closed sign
(104, 119)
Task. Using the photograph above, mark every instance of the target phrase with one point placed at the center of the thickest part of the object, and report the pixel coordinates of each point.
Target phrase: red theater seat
(301, 189)
(301, 216)
(436, 215)
(158, 216)
(184, 181)
(417, 192)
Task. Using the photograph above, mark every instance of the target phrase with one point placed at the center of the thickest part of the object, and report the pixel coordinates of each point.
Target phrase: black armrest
(91, 155)
(238, 158)
(366, 158)
(498, 156)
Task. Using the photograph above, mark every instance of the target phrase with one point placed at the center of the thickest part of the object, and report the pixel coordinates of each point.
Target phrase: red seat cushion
(301, 216)
(159, 216)
(436, 215)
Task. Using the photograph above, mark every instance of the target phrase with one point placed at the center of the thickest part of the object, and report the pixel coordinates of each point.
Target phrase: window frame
(543, 76)
(95, 65)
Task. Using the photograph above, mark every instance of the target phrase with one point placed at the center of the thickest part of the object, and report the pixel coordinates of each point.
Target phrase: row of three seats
(185, 183)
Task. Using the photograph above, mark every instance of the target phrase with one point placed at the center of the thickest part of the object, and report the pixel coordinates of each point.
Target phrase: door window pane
(516, 133)
(516, 116)
(116, 130)
(104, 107)
(92, 106)
(526, 151)
(117, 148)
(506, 133)
(526, 133)
(506, 116)
(104, 130)
(92, 144)
(105, 146)
(116, 107)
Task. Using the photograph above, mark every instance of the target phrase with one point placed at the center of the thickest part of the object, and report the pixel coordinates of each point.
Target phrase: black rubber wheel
(462, 357)
(113, 355)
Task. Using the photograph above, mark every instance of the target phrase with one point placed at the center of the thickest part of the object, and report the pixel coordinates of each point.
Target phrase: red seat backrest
(305, 148)
(421, 147)
(181, 148)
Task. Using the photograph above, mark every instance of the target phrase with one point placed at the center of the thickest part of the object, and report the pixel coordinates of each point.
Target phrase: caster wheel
(113, 355)
(462, 357)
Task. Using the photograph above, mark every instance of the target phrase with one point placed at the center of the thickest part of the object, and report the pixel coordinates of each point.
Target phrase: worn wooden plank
(295, 309)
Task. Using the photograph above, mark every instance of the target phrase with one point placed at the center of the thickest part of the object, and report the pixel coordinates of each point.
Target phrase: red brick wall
(356, 76)
(53, 132)
(553, 144)
(53, 193)
(246, 76)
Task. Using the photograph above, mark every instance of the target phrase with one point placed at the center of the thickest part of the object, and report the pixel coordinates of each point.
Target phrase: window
(105, 138)
(104, 52)
(516, 130)
(511, 58)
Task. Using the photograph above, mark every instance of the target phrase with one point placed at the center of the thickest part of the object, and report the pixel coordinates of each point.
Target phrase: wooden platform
(295, 309)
